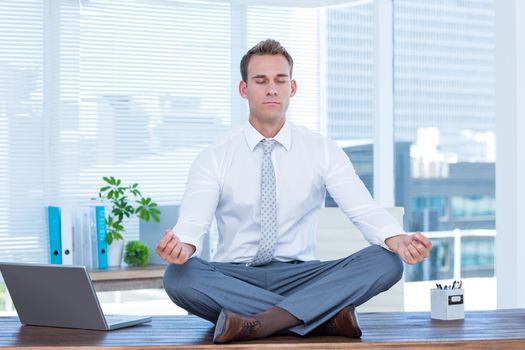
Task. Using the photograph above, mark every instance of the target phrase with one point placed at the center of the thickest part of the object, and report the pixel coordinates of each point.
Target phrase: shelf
(127, 278)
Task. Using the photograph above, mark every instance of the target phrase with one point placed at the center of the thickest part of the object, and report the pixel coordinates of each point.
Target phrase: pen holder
(447, 304)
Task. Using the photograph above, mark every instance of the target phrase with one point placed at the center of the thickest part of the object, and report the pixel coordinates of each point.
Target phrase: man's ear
(242, 89)
(294, 87)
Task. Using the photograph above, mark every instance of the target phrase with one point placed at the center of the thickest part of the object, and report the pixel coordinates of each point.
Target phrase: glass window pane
(350, 88)
(444, 110)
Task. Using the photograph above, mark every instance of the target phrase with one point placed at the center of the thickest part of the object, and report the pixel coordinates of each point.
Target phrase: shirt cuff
(387, 232)
(187, 233)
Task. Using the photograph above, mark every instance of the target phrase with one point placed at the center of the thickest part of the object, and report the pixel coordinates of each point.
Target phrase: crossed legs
(309, 293)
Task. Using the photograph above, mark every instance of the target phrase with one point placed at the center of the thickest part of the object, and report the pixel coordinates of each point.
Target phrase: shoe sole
(219, 327)
(357, 326)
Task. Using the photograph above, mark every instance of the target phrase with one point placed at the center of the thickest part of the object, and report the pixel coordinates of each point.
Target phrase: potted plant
(136, 253)
(124, 203)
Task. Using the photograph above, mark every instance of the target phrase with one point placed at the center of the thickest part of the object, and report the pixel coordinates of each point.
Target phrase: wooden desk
(496, 329)
(127, 278)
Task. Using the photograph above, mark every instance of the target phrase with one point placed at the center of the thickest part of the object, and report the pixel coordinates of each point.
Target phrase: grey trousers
(312, 291)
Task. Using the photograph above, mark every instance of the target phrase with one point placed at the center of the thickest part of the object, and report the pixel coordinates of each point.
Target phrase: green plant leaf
(125, 202)
(144, 214)
(120, 217)
(154, 211)
(136, 253)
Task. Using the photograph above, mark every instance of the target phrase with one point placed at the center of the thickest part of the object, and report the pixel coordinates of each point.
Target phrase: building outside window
(444, 124)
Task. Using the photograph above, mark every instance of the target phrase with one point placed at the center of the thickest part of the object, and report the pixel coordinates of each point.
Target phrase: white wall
(384, 104)
(510, 164)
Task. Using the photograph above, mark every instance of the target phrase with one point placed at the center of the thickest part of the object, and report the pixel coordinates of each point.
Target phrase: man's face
(268, 88)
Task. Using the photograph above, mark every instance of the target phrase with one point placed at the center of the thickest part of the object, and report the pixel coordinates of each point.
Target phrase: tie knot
(268, 145)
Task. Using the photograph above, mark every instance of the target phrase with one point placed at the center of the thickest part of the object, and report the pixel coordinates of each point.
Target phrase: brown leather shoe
(231, 326)
(344, 323)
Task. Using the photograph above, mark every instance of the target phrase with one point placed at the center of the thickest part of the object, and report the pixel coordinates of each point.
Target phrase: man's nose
(272, 89)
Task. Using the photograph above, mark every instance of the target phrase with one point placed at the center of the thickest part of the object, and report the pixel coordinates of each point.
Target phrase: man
(266, 183)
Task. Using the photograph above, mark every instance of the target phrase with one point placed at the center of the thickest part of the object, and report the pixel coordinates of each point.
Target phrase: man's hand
(411, 248)
(172, 250)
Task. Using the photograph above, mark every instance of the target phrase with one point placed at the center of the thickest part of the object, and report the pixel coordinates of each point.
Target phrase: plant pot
(115, 252)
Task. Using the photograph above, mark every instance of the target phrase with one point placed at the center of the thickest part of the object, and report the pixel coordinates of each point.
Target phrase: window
(137, 89)
(469, 207)
(444, 109)
(477, 256)
(130, 89)
(23, 144)
(350, 85)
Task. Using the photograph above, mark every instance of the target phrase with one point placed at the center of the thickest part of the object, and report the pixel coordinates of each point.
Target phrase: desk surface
(497, 329)
(127, 278)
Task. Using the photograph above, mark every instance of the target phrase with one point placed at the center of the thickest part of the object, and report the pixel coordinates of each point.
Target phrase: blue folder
(55, 247)
(102, 243)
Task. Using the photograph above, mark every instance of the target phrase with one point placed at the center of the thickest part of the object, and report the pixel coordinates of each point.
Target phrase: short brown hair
(265, 47)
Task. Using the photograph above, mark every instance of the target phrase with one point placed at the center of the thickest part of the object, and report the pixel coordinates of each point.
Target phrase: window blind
(303, 45)
(154, 90)
(132, 89)
(21, 130)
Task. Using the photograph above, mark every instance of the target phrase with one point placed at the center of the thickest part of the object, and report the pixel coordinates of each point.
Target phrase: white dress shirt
(225, 179)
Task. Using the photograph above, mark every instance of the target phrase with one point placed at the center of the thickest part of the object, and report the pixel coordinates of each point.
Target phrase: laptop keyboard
(112, 319)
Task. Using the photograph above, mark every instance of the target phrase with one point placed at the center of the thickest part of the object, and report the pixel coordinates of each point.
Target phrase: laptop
(59, 296)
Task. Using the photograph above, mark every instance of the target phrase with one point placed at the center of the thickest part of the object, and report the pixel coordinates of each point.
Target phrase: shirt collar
(253, 137)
